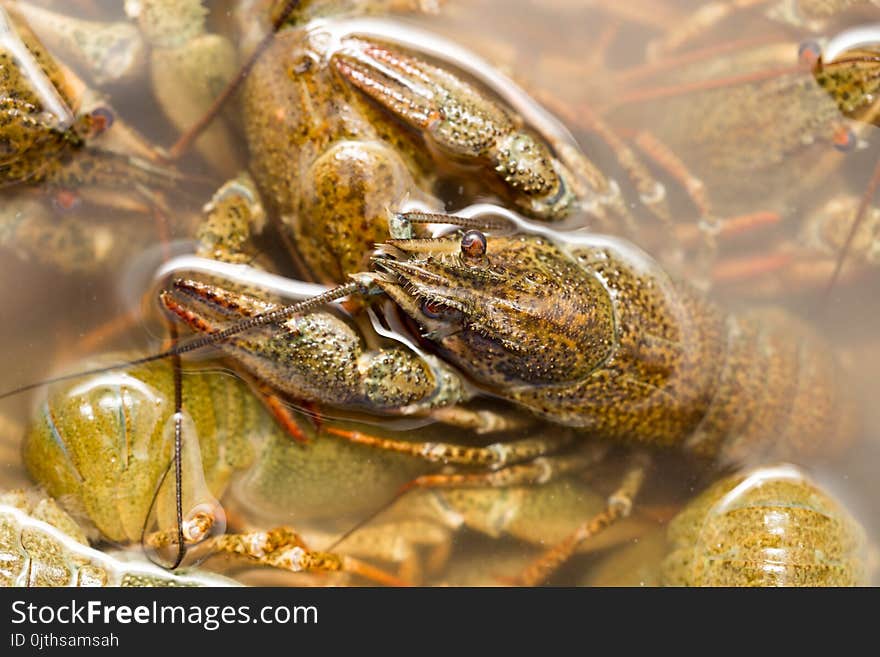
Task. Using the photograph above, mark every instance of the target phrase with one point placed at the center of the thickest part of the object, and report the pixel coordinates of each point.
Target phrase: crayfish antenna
(186, 139)
(178, 451)
(484, 222)
(867, 197)
(366, 520)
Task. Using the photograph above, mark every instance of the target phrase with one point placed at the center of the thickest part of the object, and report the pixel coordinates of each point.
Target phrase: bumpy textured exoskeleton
(50, 123)
(590, 334)
(308, 68)
(343, 127)
(768, 527)
(41, 545)
(326, 106)
(105, 445)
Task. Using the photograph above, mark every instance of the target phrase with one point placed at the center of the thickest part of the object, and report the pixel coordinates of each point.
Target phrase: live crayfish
(751, 135)
(402, 253)
(769, 526)
(48, 115)
(62, 136)
(102, 446)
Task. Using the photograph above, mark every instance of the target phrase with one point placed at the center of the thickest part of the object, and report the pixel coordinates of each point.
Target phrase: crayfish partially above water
(104, 446)
(591, 335)
(767, 526)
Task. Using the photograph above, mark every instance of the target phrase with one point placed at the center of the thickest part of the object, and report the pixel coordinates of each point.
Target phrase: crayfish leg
(494, 456)
(283, 548)
(620, 504)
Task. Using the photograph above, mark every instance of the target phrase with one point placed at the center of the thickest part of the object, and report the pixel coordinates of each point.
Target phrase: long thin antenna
(454, 220)
(178, 451)
(366, 520)
(867, 198)
(187, 138)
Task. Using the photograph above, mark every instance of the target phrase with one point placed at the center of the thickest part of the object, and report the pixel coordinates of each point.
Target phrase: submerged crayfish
(585, 333)
(74, 175)
(103, 446)
(588, 333)
(767, 526)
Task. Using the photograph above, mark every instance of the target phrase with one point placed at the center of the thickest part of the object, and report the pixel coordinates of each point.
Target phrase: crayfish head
(508, 311)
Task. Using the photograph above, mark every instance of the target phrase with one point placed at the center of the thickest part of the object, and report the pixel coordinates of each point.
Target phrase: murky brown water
(582, 59)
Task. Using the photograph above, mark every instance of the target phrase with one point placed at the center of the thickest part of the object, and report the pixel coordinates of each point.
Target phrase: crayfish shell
(769, 527)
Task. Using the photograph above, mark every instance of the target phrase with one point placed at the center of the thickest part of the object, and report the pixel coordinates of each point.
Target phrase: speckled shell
(102, 444)
(771, 527)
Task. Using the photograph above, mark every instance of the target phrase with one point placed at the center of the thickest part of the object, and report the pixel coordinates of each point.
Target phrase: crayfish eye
(101, 118)
(432, 309)
(844, 139)
(66, 200)
(809, 53)
(473, 244)
(435, 310)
